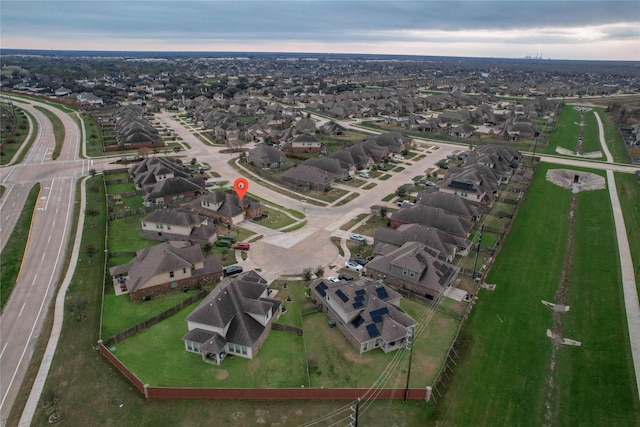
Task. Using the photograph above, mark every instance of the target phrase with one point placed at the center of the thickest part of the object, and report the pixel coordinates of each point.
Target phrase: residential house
(177, 224)
(267, 157)
(88, 98)
(446, 245)
(233, 320)
(415, 268)
(366, 312)
(453, 204)
(175, 190)
(303, 143)
(304, 177)
(432, 217)
(227, 208)
(166, 267)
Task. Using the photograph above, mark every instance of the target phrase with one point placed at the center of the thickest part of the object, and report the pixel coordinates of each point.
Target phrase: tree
(193, 161)
(319, 272)
(92, 212)
(402, 191)
(207, 248)
(306, 274)
(176, 149)
(384, 211)
(93, 172)
(91, 251)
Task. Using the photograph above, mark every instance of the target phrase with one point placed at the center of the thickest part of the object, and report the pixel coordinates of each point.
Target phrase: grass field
(18, 138)
(502, 376)
(629, 195)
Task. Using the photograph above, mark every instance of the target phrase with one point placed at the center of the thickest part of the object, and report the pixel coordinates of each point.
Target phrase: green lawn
(121, 313)
(58, 130)
(123, 235)
(158, 357)
(502, 376)
(125, 187)
(566, 132)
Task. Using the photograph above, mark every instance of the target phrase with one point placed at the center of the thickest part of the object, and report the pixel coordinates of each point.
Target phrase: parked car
(223, 243)
(430, 183)
(357, 237)
(345, 277)
(231, 270)
(360, 261)
(398, 156)
(382, 167)
(353, 266)
(392, 160)
(333, 279)
(241, 246)
(364, 175)
(402, 203)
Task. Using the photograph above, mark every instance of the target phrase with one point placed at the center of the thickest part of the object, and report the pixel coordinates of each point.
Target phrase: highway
(23, 316)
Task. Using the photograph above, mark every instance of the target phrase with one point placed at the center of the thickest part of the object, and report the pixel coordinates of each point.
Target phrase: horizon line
(525, 57)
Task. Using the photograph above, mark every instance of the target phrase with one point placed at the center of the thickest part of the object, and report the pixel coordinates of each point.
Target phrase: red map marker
(241, 186)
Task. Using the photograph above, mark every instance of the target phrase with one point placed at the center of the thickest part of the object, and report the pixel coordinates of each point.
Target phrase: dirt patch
(551, 400)
(222, 374)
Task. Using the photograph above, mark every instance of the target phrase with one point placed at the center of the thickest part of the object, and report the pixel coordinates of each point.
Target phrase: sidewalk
(630, 292)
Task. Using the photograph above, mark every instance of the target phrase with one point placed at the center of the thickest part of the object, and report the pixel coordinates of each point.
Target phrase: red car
(241, 246)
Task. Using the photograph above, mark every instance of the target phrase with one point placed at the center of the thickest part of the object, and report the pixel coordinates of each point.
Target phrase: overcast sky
(570, 29)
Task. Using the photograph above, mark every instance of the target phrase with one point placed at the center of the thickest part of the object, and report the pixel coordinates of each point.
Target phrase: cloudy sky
(560, 29)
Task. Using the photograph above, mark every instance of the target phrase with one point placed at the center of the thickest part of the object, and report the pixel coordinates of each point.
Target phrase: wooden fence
(302, 393)
(155, 319)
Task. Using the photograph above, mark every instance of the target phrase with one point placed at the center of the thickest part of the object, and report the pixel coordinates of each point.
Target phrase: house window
(184, 271)
(365, 346)
(171, 274)
(174, 284)
(168, 227)
(244, 351)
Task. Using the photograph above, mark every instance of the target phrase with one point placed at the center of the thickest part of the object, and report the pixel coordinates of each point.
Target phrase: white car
(398, 156)
(357, 237)
(333, 279)
(353, 266)
(364, 175)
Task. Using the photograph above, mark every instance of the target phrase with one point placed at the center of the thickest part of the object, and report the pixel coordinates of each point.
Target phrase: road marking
(43, 255)
(34, 279)
(23, 306)
(49, 239)
(8, 216)
(3, 349)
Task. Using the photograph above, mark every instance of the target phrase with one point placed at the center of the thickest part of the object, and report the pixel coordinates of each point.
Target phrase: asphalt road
(23, 316)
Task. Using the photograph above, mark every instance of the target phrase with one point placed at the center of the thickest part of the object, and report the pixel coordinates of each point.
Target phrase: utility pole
(354, 414)
(475, 262)
(406, 389)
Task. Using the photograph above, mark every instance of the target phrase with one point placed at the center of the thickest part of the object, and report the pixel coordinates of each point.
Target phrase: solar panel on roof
(360, 292)
(358, 304)
(357, 321)
(320, 288)
(359, 298)
(373, 331)
(342, 296)
(376, 315)
(382, 293)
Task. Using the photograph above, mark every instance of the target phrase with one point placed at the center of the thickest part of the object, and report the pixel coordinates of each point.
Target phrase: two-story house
(233, 320)
(367, 313)
(165, 267)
